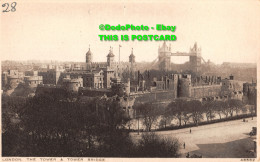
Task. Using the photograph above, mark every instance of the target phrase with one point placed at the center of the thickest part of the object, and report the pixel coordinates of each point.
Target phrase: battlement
(122, 63)
(74, 80)
(183, 76)
(13, 77)
(115, 63)
(188, 76)
(49, 86)
(77, 72)
(98, 63)
(32, 78)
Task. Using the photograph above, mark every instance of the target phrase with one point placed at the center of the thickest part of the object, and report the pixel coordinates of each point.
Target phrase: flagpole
(119, 53)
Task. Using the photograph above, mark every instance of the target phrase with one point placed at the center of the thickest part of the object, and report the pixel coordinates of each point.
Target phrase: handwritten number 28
(13, 5)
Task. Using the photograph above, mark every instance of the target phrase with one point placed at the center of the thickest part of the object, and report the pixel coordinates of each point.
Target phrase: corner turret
(110, 57)
(89, 56)
(132, 57)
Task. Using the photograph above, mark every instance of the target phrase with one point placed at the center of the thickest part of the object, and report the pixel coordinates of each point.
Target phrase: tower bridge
(165, 54)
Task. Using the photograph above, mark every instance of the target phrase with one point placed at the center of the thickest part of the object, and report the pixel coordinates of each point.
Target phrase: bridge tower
(195, 61)
(164, 56)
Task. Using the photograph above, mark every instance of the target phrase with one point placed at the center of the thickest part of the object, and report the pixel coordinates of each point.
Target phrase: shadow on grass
(235, 149)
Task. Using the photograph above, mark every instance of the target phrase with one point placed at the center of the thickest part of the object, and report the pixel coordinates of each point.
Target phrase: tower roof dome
(132, 53)
(89, 52)
(110, 54)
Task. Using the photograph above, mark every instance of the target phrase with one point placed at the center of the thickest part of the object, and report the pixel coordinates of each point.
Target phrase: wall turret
(132, 57)
(184, 89)
(110, 57)
(89, 56)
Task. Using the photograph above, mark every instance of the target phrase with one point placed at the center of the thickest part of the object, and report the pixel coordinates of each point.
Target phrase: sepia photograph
(117, 80)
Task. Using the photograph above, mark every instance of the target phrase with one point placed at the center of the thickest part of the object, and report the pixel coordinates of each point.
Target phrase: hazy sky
(227, 31)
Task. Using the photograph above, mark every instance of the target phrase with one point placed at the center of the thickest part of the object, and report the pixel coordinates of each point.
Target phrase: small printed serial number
(9, 7)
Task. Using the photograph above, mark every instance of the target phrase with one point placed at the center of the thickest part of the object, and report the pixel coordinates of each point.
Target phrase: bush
(151, 145)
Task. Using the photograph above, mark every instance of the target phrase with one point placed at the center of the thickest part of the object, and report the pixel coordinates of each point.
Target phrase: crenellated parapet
(33, 78)
(49, 86)
(98, 63)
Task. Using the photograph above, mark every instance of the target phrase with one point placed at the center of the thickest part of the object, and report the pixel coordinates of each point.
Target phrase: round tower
(72, 85)
(13, 81)
(185, 86)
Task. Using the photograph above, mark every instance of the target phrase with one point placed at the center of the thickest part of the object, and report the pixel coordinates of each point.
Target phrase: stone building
(183, 86)
(32, 79)
(11, 79)
(51, 76)
(111, 65)
(94, 75)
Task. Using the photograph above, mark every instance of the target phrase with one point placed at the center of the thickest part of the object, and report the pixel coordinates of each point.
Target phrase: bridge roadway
(184, 54)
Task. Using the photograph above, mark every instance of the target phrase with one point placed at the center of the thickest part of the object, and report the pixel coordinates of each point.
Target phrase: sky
(226, 31)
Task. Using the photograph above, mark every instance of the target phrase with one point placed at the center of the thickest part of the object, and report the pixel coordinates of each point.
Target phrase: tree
(152, 145)
(117, 89)
(72, 128)
(218, 107)
(235, 105)
(186, 117)
(252, 110)
(208, 107)
(110, 113)
(225, 108)
(165, 119)
(149, 112)
(176, 108)
(195, 107)
(244, 110)
(12, 135)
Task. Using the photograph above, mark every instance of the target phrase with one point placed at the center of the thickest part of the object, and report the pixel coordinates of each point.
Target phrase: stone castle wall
(205, 91)
(154, 96)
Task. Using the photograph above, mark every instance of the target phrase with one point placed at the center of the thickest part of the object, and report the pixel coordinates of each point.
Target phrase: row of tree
(92, 128)
(184, 111)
